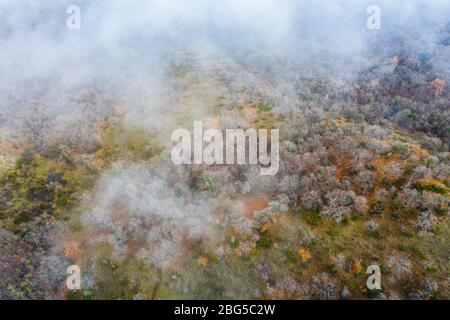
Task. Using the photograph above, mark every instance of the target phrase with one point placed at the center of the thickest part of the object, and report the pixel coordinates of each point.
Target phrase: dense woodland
(86, 176)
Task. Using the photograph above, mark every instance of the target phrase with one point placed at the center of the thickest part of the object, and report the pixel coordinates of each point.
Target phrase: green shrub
(312, 217)
(430, 187)
(292, 256)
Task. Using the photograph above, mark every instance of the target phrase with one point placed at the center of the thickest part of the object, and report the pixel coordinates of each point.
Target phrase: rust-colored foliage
(438, 86)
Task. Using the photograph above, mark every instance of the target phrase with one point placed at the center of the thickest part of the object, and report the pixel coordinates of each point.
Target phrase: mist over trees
(85, 171)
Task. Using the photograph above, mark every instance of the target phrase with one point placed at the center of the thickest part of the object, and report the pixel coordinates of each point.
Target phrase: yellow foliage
(203, 261)
(385, 171)
(356, 267)
(304, 254)
(264, 227)
(341, 121)
(418, 150)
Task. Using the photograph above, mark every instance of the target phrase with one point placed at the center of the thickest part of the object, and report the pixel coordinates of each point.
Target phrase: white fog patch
(137, 211)
(124, 51)
(116, 31)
